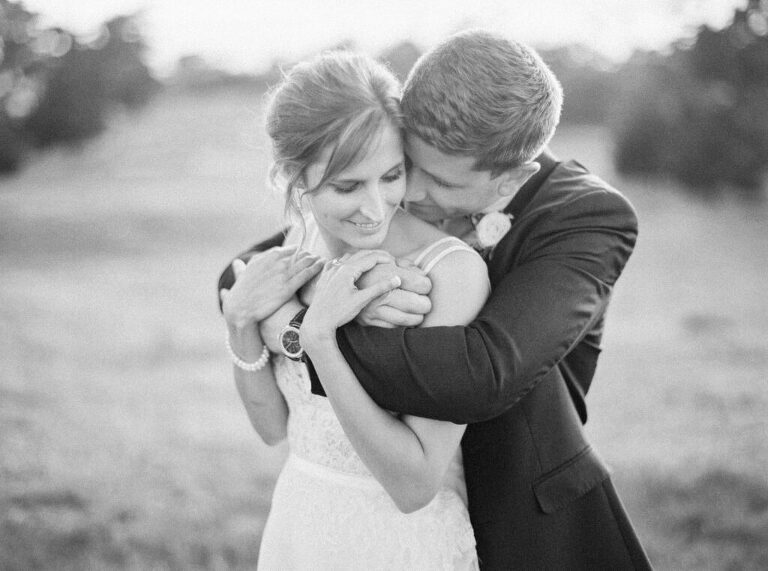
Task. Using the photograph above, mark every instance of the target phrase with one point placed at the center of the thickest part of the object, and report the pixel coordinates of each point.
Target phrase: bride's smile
(354, 209)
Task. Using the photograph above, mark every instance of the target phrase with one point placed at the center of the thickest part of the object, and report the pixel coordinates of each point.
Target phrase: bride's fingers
(364, 261)
(303, 262)
(304, 275)
(301, 254)
(276, 253)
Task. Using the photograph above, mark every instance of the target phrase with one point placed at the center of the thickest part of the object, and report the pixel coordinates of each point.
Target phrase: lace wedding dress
(330, 513)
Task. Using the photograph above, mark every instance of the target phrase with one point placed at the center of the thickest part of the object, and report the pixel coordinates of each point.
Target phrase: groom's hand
(405, 306)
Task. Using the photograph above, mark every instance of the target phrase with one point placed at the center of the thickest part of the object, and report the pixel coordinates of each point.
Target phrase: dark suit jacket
(539, 496)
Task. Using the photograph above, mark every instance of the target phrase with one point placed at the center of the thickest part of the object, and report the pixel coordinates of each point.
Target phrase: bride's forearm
(391, 449)
(262, 399)
(271, 327)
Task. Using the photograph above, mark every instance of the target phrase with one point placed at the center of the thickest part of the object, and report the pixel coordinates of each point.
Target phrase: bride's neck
(333, 247)
(396, 241)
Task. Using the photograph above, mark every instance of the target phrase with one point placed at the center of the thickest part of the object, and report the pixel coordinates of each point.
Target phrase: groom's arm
(536, 314)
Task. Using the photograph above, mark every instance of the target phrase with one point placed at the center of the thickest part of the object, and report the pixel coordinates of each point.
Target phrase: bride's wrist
(315, 338)
(246, 341)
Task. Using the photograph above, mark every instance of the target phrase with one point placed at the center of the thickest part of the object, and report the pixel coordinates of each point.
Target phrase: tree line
(57, 88)
(698, 112)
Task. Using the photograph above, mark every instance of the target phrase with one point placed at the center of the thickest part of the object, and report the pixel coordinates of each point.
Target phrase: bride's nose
(414, 189)
(373, 204)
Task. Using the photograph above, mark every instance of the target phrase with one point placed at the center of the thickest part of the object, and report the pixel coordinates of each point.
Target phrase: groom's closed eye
(439, 181)
(442, 183)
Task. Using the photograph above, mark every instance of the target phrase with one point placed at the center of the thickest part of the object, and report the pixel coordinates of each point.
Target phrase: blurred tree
(126, 77)
(194, 73)
(588, 80)
(17, 94)
(72, 104)
(55, 88)
(11, 146)
(700, 114)
(82, 84)
(400, 58)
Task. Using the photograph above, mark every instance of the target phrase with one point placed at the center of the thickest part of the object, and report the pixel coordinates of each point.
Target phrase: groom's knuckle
(423, 304)
(411, 320)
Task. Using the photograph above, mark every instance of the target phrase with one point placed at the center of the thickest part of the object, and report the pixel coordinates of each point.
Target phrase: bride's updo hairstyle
(337, 100)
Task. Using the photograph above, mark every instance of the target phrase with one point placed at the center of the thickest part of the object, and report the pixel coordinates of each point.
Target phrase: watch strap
(298, 319)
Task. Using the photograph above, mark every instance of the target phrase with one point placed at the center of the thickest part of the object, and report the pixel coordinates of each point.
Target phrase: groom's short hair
(481, 95)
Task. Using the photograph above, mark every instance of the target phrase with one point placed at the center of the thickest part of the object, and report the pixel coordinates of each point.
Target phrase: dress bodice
(314, 432)
(329, 512)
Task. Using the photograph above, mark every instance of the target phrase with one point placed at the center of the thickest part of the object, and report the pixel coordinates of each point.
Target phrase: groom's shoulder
(573, 180)
(572, 187)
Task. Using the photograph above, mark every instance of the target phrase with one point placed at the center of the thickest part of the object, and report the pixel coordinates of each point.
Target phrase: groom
(479, 110)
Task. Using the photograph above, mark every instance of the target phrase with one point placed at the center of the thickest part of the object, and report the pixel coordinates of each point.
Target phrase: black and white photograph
(340, 286)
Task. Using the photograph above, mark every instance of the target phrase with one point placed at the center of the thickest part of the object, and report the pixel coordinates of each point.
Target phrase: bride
(363, 488)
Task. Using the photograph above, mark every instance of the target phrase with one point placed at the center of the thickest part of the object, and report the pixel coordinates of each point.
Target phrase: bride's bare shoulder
(411, 235)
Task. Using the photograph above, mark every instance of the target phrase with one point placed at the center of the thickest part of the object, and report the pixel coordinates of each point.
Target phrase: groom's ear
(511, 180)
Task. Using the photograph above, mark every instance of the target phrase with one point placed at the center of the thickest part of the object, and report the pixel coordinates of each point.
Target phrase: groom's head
(478, 109)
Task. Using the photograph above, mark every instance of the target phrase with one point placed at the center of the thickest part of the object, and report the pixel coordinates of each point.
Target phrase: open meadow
(123, 444)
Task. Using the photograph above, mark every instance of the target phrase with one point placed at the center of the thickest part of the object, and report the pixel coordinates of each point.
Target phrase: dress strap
(433, 262)
(425, 252)
(457, 245)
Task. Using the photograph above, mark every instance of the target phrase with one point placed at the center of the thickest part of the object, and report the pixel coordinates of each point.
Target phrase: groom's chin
(425, 213)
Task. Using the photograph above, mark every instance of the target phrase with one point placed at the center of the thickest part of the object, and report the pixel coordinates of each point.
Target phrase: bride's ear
(511, 180)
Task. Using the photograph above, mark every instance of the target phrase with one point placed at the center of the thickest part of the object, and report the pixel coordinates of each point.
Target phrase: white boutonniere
(492, 228)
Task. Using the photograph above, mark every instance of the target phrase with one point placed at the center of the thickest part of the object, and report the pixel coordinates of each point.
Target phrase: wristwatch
(290, 341)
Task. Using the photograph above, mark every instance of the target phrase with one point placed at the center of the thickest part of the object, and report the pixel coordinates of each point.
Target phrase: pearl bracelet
(258, 365)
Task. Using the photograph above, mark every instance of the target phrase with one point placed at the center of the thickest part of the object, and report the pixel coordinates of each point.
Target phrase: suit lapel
(501, 261)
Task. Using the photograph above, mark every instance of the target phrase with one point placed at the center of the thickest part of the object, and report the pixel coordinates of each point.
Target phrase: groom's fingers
(238, 266)
(388, 316)
(408, 302)
(414, 280)
(361, 262)
(365, 296)
(284, 250)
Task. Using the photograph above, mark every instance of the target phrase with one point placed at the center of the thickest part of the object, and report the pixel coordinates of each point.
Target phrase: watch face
(291, 343)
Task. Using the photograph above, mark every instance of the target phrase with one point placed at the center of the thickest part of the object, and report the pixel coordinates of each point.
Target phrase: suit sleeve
(535, 315)
(227, 277)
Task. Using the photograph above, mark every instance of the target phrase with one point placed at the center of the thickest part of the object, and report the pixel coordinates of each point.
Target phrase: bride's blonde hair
(340, 100)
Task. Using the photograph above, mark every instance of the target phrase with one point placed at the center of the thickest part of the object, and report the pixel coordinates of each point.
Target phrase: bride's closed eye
(345, 188)
(348, 187)
(393, 176)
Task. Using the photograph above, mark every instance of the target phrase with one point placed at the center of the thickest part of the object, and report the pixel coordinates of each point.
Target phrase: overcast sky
(247, 35)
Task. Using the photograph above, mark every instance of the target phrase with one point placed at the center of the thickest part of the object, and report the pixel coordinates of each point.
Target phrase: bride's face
(354, 209)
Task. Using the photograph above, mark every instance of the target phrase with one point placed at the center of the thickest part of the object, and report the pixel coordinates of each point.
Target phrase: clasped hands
(404, 306)
(271, 278)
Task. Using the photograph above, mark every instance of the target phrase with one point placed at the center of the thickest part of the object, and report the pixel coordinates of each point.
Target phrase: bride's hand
(405, 306)
(265, 283)
(337, 299)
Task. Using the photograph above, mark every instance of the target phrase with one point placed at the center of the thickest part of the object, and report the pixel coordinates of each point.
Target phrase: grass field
(123, 444)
